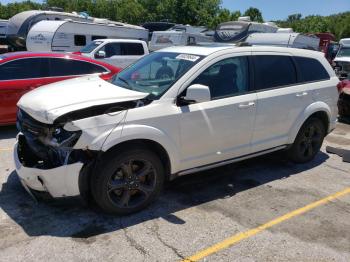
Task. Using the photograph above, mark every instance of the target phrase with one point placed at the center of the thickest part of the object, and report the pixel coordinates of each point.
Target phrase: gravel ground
(193, 213)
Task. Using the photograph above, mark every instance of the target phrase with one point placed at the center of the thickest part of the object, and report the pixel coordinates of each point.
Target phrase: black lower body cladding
(344, 105)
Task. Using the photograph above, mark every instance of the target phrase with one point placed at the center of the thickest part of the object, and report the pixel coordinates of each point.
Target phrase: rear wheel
(127, 181)
(308, 141)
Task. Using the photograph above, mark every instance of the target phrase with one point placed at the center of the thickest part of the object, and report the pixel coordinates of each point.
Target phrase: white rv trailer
(238, 31)
(179, 35)
(295, 40)
(3, 28)
(71, 36)
(20, 24)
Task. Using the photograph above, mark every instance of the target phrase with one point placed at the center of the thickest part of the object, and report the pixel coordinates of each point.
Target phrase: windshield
(343, 51)
(90, 47)
(155, 73)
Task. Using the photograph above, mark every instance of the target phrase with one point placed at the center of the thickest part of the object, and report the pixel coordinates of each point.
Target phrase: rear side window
(94, 37)
(132, 49)
(272, 71)
(68, 67)
(22, 69)
(311, 69)
(79, 40)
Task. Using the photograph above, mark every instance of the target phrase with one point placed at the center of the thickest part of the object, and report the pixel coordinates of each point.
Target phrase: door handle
(247, 105)
(301, 94)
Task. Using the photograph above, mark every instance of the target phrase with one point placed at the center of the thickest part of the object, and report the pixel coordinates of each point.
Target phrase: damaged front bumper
(58, 182)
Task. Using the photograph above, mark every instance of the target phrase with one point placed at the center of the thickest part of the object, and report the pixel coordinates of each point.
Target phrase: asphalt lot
(193, 213)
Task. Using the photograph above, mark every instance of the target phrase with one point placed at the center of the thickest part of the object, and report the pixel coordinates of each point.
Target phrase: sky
(280, 9)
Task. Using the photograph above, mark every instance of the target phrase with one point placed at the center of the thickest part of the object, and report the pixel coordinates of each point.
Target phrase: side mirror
(197, 94)
(100, 54)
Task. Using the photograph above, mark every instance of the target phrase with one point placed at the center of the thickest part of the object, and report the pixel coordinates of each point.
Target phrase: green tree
(254, 14)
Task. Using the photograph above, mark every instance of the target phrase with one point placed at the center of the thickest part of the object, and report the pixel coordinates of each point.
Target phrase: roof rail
(243, 44)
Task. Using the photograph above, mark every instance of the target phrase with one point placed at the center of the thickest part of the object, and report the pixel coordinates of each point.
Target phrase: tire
(308, 141)
(127, 181)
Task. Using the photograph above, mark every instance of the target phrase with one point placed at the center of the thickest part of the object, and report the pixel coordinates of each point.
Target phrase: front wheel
(127, 181)
(308, 141)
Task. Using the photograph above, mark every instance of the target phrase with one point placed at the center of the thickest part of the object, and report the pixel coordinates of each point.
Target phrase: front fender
(304, 115)
(135, 132)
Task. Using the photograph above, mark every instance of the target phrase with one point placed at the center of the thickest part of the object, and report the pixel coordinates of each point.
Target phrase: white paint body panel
(58, 36)
(47, 103)
(199, 134)
(121, 61)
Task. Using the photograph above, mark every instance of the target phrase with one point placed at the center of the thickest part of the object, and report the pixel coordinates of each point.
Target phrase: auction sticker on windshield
(192, 58)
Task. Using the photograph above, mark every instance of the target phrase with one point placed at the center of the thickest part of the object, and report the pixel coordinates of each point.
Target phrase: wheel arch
(318, 110)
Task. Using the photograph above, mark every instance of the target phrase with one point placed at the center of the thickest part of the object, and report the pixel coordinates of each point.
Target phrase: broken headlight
(59, 137)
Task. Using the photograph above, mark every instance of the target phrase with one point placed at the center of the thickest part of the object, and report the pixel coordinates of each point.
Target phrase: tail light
(340, 87)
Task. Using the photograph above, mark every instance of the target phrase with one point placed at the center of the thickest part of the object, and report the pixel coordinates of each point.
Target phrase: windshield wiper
(125, 81)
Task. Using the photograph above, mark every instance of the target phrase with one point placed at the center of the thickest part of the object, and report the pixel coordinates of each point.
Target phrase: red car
(344, 100)
(21, 72)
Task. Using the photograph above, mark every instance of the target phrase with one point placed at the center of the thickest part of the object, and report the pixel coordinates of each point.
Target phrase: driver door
(222, 128)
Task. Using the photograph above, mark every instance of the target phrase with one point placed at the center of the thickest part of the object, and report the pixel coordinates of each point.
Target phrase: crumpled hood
(47, 103)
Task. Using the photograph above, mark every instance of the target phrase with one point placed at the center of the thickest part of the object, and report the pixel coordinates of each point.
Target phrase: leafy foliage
(338, 24)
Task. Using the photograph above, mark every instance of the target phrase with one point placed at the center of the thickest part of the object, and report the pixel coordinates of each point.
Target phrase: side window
(22, 69)
(132, 49)
(94, 37)
(111, 49)
(79, 40)
(311, 69)
(68, 67)
(273, 71)
(228, 77)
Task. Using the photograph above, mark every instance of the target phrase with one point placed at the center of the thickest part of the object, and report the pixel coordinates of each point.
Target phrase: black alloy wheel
(132, 183)
(308, 141)
(127, 181)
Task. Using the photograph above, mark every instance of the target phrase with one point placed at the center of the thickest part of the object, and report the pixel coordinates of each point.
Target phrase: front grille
(30, 126)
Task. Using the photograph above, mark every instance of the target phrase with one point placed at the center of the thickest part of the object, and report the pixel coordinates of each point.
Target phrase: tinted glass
(111, 49)
(155, 73)
(132, 49)
(67, 67)
(80, 40)
(311, 69)
(273, 71)
(226, 78)
(22, 69)
(94, 37)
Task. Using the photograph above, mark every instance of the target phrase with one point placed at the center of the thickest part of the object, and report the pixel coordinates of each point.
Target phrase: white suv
(174, 112)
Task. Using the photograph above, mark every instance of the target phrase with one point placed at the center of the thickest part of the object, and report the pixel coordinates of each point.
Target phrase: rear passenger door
(280, 99)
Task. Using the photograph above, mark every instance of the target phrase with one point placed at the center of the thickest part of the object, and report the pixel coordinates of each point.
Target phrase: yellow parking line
(6, 149)
(241, 236)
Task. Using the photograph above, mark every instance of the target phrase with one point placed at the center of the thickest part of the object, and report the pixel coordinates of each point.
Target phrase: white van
(342, 60)
(117, 52)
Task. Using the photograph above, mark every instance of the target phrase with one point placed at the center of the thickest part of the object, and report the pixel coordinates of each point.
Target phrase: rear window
(271, 71)
(68, 67)
(132, 49)
(311, 70)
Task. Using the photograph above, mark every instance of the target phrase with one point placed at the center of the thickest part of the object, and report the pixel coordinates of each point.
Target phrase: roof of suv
(209, 49)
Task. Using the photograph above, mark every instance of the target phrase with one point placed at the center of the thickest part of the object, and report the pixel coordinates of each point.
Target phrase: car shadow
(7, 132)
(81, 223)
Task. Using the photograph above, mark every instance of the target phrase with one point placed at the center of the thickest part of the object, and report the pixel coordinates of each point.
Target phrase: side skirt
(229, 161)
